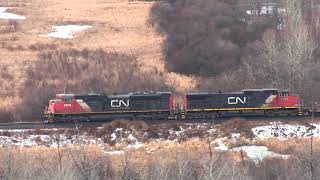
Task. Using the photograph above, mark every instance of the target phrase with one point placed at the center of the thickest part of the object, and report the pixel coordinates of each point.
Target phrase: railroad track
(43, 125)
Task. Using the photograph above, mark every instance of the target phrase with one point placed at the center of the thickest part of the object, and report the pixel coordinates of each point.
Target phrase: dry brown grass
(192, 159)
(118, 25)
(237, 125)
(290, 146)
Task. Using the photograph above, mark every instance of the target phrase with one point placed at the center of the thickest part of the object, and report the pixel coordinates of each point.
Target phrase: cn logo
(116, 103)
(236, 100)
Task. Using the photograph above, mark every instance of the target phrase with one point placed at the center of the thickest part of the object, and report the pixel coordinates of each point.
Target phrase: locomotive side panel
(230, 100)
(90, 103)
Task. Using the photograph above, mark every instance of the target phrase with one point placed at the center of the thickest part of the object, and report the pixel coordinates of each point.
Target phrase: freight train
(162, 106)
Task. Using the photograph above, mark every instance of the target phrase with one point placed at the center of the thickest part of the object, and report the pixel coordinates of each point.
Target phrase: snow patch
(265, 10)
(6, 15)
(26, 130)
(283, 131)
(211, 131)
(258, 153)
(115, 152)
(66, 31)
(134, 143)
(235, 135)
(221, 146)
(15, 130)
(23, 140)
(113, 136)
(131, 138)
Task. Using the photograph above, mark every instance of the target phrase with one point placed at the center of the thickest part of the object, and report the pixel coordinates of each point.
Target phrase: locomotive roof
(240, 92)
(265, 89)
(148, 94)
(115, 95)
(213, 93)
(80, 94)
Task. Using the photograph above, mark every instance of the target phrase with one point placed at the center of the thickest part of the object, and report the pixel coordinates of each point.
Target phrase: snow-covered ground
(6, 15)
(126, 138)
(118, 140)
(221, 146)
(265, 10)
(66, 31)
(25, 140)
(258, 153)
(25, 137)
(30, 138)
(255, 153)
(284, 131)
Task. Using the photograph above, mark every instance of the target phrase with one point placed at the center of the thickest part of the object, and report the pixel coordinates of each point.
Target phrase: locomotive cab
(286, 99)
(63, 103)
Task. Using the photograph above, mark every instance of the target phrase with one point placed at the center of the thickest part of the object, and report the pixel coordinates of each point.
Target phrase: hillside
(117, 26)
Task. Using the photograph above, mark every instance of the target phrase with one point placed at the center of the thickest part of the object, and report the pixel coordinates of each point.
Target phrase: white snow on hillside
(6, 15)
(283, 131)
(265, 10)
(66, 31)
(258, 153)
(23, 140)
(255, 153)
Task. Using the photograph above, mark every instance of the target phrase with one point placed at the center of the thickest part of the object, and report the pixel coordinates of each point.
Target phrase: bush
(109, 128)
(236, 125)
(82, 71)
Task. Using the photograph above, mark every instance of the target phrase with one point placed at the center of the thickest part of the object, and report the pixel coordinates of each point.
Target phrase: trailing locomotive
(95, 107)
(160, 105)
(266, 102)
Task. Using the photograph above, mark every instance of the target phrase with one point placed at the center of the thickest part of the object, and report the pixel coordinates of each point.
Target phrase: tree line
(234, 44)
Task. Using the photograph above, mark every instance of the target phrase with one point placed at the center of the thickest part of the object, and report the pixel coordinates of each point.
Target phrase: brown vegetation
(76, 71)
(178, 162)
(114, 31)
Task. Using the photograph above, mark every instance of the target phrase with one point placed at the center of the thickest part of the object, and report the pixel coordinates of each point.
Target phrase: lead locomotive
(94, 107)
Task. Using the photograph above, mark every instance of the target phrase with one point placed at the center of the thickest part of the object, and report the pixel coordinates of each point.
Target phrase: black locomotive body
(93, 107)
(247, 102)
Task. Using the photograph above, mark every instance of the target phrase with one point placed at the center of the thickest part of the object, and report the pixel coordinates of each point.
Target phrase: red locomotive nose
(51, 107)
(286, 99)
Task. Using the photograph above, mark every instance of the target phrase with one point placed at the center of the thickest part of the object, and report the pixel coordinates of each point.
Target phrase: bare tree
(298, 46)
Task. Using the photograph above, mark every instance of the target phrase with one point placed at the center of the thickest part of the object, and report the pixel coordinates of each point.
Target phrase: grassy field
(118, 26)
